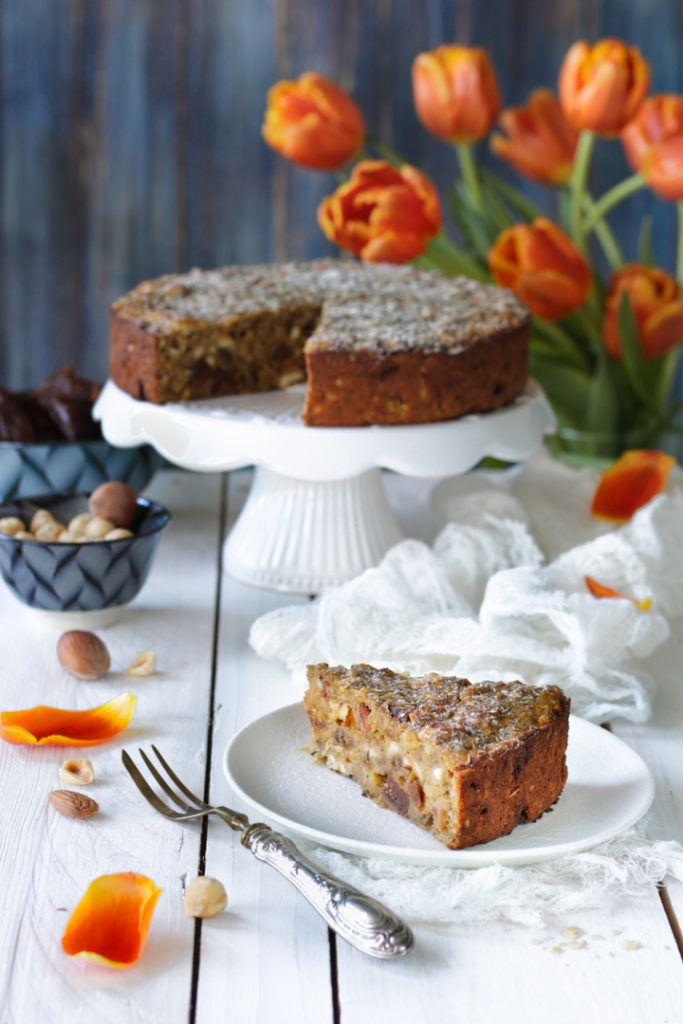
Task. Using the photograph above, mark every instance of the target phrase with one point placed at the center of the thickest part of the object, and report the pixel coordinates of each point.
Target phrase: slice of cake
(376, 343)
(466, 761)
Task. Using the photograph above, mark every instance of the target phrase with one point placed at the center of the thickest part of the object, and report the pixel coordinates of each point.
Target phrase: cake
(466, 761)
(376, 343)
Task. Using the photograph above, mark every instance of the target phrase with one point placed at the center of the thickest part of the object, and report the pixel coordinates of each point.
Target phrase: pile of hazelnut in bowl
(78, 553)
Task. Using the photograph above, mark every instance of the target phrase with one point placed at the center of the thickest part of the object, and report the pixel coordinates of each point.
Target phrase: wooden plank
(660, 743)
(48, 860)
(519, 974)
(267, 959)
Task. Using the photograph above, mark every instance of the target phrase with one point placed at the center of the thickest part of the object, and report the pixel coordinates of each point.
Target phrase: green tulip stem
(611, 198)
(604, 234)
(452, 260)
(470, 175)
(679, 254)
(577, 187)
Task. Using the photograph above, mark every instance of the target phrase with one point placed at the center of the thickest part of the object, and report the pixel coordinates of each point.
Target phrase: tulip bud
(313, 122)
(540, 141)
(455, 92)
(382, 214)
(656, 305)
(542, 266)
(601, 87)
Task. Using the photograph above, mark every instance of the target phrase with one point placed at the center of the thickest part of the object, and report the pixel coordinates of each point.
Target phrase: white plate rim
(472, 857)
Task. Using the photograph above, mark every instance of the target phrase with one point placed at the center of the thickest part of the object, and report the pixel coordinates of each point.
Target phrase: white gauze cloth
(485, 602)
(501, 594)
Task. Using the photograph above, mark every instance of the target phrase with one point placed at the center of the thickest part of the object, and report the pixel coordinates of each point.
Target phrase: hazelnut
(82, 654)
(145, 664)
(47, 530)
(118, 534)
(97, 528)
(77, 771)
(205, 897)
(78, 523)
(114, 501)
(41, 517)
(11, 526)
(67, 537)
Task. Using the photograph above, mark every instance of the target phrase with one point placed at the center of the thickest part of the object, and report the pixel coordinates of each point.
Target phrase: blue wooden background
(130, 135)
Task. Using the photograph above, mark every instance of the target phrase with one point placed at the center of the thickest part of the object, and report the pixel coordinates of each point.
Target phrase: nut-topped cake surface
(466, 761)
(378, 343)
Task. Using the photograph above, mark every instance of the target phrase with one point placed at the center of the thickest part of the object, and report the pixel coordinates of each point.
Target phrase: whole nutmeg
(114, 501)
(205, 897)
(83, 654)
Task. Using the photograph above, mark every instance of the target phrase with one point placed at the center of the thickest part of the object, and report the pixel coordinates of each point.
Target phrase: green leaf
(516, 200)
(642, 375)
(603, 407)
(475, 234)
(567, 389)
(646, 254)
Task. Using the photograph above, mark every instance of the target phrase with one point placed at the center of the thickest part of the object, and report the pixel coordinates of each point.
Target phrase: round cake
(376, 343)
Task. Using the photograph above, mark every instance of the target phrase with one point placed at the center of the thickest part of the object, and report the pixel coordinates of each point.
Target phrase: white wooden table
(269, 958)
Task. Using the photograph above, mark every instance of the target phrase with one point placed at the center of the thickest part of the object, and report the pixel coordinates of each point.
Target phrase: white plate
(609, 787)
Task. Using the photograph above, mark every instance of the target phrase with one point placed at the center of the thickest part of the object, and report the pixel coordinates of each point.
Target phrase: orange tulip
(382, 214)
(657, 309)
(110, 924)
(46, 726)
(541, 142)
(601, 87)
(600, 590)
(629, 483)
(664, 169)
(455, 92)
(659, 118)
(542, 266)
(313, 122)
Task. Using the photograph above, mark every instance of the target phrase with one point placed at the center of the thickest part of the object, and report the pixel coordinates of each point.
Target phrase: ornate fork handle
(359, 919)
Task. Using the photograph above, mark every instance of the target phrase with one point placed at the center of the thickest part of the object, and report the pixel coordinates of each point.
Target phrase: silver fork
(364, 922)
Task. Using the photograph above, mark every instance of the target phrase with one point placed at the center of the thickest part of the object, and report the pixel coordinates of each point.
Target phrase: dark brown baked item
(59, 410)
(378, 343)
(466, 761)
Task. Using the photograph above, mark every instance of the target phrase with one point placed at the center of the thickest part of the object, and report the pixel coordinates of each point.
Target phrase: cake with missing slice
(376, 343)
(466, 761)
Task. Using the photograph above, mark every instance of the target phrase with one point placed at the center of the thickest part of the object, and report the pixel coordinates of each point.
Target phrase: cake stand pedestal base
(301, 536)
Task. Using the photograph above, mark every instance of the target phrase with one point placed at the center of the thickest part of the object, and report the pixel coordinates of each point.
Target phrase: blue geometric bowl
(72, 577)
(72, 467)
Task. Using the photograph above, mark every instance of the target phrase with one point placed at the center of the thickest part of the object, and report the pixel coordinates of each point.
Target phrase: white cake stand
(317, 513)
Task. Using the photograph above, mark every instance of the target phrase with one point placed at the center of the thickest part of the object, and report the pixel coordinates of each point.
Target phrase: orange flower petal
(628, 484)
(111, 922)
(600, 590)
(56, 727)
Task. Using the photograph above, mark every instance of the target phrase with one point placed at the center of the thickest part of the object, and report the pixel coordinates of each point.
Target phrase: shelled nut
(77, 771)
(205, 897)
(144, 664)
(73, 805)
